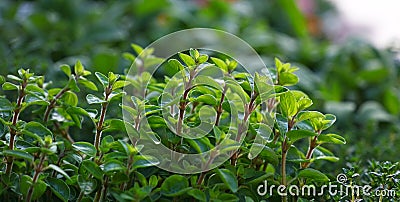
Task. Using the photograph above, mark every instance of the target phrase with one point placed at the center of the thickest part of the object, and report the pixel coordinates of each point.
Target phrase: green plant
(48, 163)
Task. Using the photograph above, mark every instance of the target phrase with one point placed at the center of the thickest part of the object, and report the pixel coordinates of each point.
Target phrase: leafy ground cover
(354, 81)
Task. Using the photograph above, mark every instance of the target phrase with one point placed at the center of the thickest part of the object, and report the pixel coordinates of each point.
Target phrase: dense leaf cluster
(276, 137)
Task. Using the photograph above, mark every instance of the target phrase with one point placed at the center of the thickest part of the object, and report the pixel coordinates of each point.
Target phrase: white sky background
(376, 20)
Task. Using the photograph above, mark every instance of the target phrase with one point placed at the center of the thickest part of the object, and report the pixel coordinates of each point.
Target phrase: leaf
(153, 181)
(229, 179)
(84, 147)
(72, 84)
(206, 80)
(102, 78)
(92, 168)
(92, 99)
(288, 79)
(330, 119)
(137, 48)
(174, 185)
(58, 169)
(12, 77)
(20, 154)
(88, 84)
(194, 53)
(70, 98)
(87, 186)
(313, 174)
(202, 59)
(119, 84)
(38, 188)
(59, 188)
(66, 69)
(288, 104)
(114, 125)
(78, 68)
(5, 105)
(187, 59)
(295, 135)
(302, 116)
(176, 64)
(142, 161)
(9, 86)
(113, 166)
(207, 99)
(331, 138)
(220, 63)
(38, 129)
(197, 194)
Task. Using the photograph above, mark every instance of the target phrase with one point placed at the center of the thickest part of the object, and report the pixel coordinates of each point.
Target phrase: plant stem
(64, 133)
(310, 151)
(99, 127)
(13, 130)
(38, 170)
(283, 166)
(128, 168)
(101, 192)
(285, 149)
(53, 103)
(219, 109)
(242, 126)
(203, 174)
(183, 103)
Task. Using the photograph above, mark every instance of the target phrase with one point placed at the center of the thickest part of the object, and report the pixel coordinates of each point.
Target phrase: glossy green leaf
(66, 69)
(38, 129)
(59, 170)
(113, 166)
(19, 154)
(12, 77)
(59, 188)
(202, 59)
(78, 68)
(102, 78)
(92, 99)
(92, 168)
(207, 99)
(220, 63)
(197, 194)
(313, 175)
(288, 104)
(187, 59)
(85, 147)
(9, 86)
(194, 53)
(174, 185)
(142, 161)
(87, 84)
(176, 64)
(137, 48)
(306, 115)
(38, 188)
(70, 98)
(229, 179)
(295, 135)
(119, 84)
(5, 105)
(331, 138)
(288, 79)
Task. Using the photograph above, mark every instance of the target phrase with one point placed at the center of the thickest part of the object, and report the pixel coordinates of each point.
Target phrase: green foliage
(355, 81)
(114, 169)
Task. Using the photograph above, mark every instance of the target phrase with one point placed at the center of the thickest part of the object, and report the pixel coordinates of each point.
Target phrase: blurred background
(346, 50)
